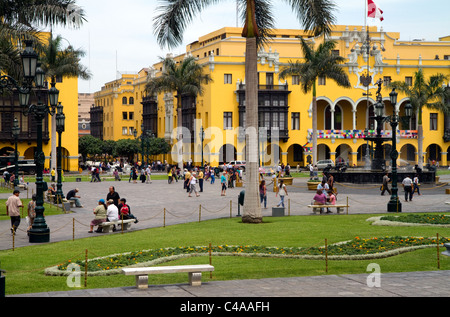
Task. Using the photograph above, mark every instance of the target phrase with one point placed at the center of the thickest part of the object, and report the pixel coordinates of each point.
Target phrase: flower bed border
(55, 271)
(376, 221)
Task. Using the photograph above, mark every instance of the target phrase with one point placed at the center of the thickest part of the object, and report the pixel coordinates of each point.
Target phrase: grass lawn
(25, 266)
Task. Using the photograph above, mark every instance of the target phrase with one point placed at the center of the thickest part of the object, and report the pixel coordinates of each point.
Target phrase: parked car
(235, 164)
(324, 164)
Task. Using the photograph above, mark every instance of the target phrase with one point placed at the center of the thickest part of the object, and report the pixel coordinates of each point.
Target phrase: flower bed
(412, 220)
(357, 248)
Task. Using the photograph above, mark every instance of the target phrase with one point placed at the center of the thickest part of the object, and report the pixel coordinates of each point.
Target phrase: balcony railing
(267, 87)
(359, 134)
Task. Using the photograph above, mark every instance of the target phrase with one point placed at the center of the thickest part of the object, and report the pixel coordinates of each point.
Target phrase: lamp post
(394, 204)
(39, 232)
(202, 138)
(60, 125)
(15, 133)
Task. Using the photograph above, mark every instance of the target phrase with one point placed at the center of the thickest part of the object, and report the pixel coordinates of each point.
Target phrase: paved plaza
(161, 203)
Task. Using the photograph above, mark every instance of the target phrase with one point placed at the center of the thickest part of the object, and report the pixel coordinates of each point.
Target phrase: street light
(60, 125)
(15, 133)
(39, 232)
(394, 204)
(202, 138)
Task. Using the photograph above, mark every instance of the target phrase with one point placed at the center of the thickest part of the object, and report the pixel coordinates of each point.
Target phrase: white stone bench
(194, 273)
(339, 208)
(109, 224)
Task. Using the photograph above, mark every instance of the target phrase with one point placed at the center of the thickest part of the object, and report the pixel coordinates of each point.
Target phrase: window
(295, 119)
(125, 115)
(124, 130)
(227, 120)
(124, 100)
(228, 79)
(433, 121)
(322, 81)
(387, 80)
(131, 130)
(295, 80)
(269, 79)
(131, 115)
(408, 81)
(131, 101)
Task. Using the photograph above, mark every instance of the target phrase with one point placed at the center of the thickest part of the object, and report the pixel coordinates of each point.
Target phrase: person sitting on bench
(124, 211)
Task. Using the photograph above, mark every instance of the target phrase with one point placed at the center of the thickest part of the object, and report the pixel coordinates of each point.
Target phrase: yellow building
(284, 110)
(10, 109)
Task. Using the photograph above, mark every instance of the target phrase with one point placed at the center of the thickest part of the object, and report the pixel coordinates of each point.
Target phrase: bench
(339, 208)
(109, 224)
(194, 273)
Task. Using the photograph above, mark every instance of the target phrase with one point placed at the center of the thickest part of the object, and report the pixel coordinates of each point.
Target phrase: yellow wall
(399, 60)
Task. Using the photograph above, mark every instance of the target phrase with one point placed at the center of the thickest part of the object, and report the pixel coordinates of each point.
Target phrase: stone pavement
(159, 204)
(410, 284)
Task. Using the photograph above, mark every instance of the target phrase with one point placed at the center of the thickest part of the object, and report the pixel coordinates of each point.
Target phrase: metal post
(39, 232)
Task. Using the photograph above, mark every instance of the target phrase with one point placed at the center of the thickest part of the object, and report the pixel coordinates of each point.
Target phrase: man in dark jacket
(113, 195)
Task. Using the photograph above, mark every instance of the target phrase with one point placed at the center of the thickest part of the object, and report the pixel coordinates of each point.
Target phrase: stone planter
(313, 185)
(286, 180)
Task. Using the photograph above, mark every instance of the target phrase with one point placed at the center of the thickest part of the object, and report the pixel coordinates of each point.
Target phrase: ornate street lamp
(15, 133)
(39, 232)
(202, 138)
(394, 204)
(60, 125)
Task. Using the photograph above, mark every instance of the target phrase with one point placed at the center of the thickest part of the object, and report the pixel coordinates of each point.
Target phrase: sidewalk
(410, 284)
(149, 201)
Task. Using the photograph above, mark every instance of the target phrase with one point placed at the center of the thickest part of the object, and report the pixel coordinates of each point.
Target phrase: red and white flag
(373, 11)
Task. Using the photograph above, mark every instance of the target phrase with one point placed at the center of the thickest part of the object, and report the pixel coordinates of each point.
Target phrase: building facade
(345, 116)
(26, 142)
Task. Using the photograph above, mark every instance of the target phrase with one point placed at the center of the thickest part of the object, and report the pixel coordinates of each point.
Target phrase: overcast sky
(118, 35)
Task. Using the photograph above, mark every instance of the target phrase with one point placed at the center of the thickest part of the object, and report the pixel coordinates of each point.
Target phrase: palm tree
(430, 93)
(315, 16)
(22, 19)
(186, 77)
(318, 63)
(57, 61)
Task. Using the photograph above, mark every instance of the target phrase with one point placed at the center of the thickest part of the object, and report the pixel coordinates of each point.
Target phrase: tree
(430, 93)
(89, 145)
(318, 63)
(158, 146)
(127, 148)
(108, 148)
(186, 77)
(315, 16)
(23, 19)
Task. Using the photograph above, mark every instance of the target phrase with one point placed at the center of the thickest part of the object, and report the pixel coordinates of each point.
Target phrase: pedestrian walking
(416, 184)
(385, 185)
(407, 186)
(223, 182)
(193, 185)
(148, 173)
(263, 193)
(282, 191)
(13, 204)
(200, 180)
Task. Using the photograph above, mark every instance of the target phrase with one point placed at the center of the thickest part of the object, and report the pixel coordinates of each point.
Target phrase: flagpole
(365, 14)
